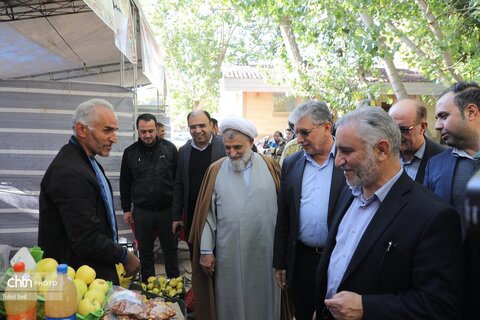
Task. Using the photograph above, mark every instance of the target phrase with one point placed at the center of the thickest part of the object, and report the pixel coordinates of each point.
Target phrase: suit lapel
(450, 163)
(386, 213)
(322, 268)
(298, 168)
(336, 186)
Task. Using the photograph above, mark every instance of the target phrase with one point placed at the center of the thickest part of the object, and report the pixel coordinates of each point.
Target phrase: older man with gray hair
(394, 250)
(233, 230)
(77, 223)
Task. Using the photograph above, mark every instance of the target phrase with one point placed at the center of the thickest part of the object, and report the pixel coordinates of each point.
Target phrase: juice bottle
(20, 296)
(61, 298)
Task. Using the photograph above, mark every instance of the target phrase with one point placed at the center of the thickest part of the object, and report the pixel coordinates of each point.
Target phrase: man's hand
(132, 267)
(207, 262)
(175, 225)
(280, 276)
(345, 305)
(128, 217)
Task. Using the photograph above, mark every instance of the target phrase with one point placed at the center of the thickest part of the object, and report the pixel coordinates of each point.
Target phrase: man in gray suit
(194, 158)
(415, 148)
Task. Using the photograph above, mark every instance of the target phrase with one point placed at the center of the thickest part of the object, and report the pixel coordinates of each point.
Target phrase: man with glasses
(415, 148)
(394, 250)
(193, 160)
(309, 191)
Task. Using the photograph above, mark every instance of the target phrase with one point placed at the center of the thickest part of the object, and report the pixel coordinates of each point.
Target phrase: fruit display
(91, 291)
(164, 287)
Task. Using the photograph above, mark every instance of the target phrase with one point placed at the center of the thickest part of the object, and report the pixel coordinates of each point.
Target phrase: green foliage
(338, 52)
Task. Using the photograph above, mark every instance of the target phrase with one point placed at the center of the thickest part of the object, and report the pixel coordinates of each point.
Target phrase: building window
(284, 103)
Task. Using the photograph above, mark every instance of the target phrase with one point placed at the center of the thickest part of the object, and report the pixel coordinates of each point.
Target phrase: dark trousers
(303, 282)
(146, 222)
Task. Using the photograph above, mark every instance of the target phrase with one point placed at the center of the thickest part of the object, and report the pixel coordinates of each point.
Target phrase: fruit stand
(160, 298)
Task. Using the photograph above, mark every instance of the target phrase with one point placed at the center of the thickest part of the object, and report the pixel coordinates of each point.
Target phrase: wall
(258, 107)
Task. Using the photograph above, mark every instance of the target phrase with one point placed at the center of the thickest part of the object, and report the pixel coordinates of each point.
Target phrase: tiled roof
(241, 72)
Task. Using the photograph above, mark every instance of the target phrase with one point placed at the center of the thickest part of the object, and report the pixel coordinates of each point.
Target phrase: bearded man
(394, 251)
(233, 231)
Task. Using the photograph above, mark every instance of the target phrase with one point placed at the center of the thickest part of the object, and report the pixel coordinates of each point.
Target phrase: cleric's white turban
(239, 124)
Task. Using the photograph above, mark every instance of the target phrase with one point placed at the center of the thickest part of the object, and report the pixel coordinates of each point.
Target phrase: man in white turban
(233, 230)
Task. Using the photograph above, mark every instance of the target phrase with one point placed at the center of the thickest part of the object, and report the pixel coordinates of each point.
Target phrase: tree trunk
(419, 52)
(290, 42)
(392, 72)
(437, 32)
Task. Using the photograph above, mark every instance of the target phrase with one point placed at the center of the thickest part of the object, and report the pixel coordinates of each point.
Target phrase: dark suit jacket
(182, 183)
(431, 149)
(73, 224)
(439, 174)
(421, 275)
(286, 229)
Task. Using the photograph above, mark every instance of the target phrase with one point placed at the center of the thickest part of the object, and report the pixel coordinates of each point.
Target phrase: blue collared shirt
(411, 166)
(351, 229)
(461, 153)
(316, 181)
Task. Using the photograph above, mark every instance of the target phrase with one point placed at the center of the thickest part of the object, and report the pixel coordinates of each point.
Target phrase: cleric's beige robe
(203, 285)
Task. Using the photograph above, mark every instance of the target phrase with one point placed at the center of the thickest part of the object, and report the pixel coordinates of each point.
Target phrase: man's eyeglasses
(306, 132)
(195, 126)
(405, 130)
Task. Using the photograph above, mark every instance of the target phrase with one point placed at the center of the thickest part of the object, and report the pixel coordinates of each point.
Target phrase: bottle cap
(19, 267)
(62, 268)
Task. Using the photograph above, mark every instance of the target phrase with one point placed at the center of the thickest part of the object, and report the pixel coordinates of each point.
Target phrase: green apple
(47, 282)
(71, 273)
(87, 306)
(81, 287)
(46, 265)
(95, 294)
(100, 284)
(86, 273)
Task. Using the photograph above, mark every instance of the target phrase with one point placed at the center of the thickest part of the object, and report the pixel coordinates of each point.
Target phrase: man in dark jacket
(146, 181)
(416, 149)
(193, 160)
(77, 222)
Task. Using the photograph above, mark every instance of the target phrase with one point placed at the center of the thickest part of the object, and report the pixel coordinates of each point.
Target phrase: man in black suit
(77, 223)
(309, 190)
(194, 158)
(394, 251)
(415, 148)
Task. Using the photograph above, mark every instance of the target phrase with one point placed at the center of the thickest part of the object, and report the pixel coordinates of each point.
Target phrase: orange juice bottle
(61, 298)
(20, 297)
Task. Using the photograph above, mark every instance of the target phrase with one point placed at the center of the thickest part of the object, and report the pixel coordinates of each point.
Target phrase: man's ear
(80, 129)
(424, 125)
(471, 111)
(383, 149)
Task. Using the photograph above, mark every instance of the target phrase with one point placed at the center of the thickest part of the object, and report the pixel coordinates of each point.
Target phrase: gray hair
(85, 112)
(374, 124)
(318, 110)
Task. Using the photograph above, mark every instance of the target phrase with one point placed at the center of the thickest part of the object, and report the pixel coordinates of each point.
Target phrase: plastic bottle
(61, 298)
(20, 296)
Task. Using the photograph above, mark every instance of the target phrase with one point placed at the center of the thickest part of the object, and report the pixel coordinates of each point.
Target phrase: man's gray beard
(240, 164)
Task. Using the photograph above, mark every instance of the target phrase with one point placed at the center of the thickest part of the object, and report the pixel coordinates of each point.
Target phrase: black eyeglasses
(306, 132)
(405, 130)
